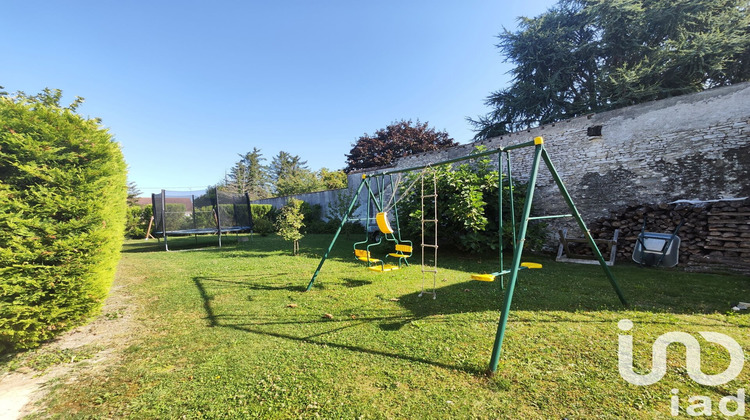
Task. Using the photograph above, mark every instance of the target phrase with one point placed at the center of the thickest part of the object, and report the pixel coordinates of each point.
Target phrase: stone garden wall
(637, 160)
(689, 147)
(692, 147)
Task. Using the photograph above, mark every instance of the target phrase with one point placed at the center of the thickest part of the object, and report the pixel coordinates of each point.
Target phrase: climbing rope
(394, 201)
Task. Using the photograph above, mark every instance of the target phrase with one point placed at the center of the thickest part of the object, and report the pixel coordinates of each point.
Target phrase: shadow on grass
(325, 343)
(220, 321)
(154, 246)
(244, 282)
(562, 288)
(350, 283)
(142, 246)
(201, 242)
(574, 288)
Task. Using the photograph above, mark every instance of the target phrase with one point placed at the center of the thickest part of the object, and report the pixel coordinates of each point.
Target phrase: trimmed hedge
(137, 222)
(264, 217)
(263, 211)
(62, 217)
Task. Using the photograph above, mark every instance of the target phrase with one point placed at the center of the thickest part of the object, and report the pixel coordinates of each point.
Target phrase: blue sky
(185, 86)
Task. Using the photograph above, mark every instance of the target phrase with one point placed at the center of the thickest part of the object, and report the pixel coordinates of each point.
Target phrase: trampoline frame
(163, 231)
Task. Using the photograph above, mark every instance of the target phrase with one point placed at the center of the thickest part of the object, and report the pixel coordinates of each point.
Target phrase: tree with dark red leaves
(401, 138)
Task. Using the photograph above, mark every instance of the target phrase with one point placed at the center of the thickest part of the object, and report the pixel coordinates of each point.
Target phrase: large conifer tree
(584, 56)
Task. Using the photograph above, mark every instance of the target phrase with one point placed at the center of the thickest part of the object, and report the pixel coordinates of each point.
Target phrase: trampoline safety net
(180, 213)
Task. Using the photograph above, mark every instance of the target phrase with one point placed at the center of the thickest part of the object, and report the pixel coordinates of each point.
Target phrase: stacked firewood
(713, 234)
(729, 234)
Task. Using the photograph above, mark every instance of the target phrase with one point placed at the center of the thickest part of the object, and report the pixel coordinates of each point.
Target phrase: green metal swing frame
(540, 155)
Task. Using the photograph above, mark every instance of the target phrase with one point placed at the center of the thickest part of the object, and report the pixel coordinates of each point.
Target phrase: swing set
(403, 248)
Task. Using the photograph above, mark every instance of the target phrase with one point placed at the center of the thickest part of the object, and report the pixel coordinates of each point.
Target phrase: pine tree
(585, 56)
(250, 176)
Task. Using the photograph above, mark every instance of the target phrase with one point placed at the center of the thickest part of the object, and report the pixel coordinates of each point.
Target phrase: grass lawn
(229, 333)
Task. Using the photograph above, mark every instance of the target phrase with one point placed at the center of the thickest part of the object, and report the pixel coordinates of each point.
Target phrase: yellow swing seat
(383, 267)
(364, 255)
(402, 251)
(483, 277)
(491, 277)
(383, 224)
(531, 265)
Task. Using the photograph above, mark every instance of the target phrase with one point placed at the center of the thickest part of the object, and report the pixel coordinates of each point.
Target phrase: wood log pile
(715, 235)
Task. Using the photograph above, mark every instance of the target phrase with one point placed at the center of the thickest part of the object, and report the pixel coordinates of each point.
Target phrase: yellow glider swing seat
(365, 256)
(402, 251)
(402, 248)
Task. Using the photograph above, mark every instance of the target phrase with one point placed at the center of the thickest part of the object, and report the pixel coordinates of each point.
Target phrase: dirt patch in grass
(29, 376)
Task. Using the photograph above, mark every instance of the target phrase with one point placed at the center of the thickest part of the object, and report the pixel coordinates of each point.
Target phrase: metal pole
(512, 198)
(338, 231)
(395, 210)
(500, 221)
(195, 224)
(250, 223)
(583, 227)
(497, 348)
(164, 219)
(218, 214)
(460, 159)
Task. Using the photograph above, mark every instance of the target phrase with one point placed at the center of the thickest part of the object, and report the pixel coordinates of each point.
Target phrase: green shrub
(311, 212)
(264, 227)
(468, 208)
(314, 223)
(137, 221)
(62, 217)
(348, 228)
(264, 218)
(133, 226)
(202, 217)
(316, 226)
(263, 211)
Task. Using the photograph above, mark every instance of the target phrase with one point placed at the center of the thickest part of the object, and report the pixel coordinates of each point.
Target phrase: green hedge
(62, 217)
(138, 219)
(264, 216)
(263, 211)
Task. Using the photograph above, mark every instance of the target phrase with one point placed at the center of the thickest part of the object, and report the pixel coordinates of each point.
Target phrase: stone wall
(689, 147)
(324, 198)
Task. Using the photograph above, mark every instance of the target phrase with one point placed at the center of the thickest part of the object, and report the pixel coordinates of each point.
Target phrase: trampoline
(205, 212)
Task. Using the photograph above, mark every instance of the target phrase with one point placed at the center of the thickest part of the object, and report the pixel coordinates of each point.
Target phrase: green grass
(229, 333)
(39, 360)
